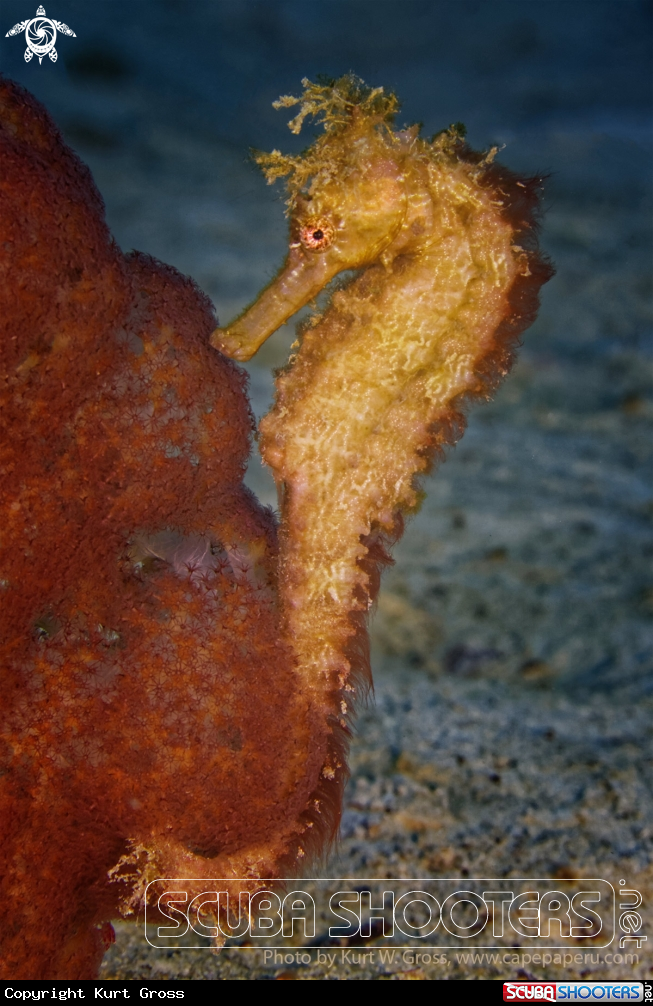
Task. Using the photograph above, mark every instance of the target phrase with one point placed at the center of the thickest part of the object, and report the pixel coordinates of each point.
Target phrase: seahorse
(179, 679)
(443, 242)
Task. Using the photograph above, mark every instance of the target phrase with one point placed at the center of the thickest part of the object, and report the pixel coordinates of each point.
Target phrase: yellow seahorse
(448, 274)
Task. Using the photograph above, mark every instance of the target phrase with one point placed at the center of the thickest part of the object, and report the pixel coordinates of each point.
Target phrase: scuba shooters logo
(424, 913)
(40, 35)
(574, 991)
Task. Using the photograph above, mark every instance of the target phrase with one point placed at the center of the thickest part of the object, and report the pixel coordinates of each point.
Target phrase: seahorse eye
(316, 235)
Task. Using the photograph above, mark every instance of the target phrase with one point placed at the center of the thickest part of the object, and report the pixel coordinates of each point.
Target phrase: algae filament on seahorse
(444, 242)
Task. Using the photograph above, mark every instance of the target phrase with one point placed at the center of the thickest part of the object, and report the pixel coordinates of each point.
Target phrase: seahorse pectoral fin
(301, 279)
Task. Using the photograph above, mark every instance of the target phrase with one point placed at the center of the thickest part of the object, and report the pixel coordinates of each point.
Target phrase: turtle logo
(40, 35)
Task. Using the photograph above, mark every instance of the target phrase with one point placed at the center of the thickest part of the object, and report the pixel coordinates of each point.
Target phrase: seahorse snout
(301, 279)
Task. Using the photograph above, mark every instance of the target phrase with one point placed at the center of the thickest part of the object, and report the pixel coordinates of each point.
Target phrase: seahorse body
(449, 277)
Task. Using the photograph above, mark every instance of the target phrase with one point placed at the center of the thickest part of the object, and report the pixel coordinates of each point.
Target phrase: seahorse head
(347, 201)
